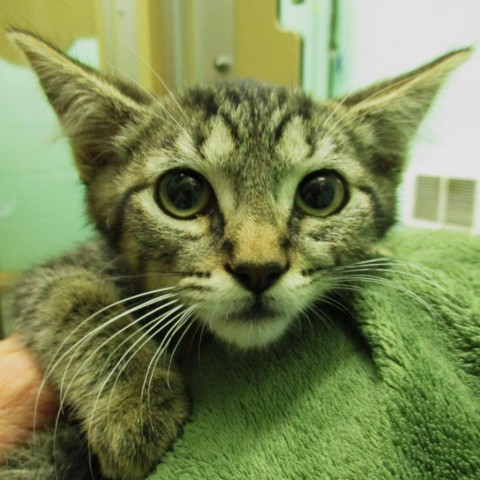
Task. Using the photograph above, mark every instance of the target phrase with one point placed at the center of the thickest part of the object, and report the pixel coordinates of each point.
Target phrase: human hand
(20, 381)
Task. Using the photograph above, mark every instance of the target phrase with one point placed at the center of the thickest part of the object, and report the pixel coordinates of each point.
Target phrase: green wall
(41, 198)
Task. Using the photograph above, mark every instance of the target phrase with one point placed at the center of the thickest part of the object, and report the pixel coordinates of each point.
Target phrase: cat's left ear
(98, 115)
(388, 114)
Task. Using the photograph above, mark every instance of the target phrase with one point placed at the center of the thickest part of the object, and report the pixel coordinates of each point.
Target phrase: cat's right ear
(96, 113)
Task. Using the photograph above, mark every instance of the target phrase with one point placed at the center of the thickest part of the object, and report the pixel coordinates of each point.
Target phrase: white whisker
(144, 338)
(162, 348)
(129, 325)
(54, 362)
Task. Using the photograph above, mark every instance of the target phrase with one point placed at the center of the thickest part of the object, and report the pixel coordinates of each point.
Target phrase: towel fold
(386, 387)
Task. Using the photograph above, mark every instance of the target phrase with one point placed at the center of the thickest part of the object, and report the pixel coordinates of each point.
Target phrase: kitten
(228, 207)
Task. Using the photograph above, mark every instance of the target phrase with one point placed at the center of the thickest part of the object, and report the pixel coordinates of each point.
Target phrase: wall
(382, 38)
(41, 211)
(369, 40)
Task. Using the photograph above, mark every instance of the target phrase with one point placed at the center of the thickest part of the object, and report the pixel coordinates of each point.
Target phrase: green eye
(321, 194)
(183, 194)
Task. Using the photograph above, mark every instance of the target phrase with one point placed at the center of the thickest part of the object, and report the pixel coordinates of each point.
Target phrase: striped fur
(104, 320)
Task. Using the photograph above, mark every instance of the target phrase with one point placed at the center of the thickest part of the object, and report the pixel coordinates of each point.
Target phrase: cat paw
(129, 438)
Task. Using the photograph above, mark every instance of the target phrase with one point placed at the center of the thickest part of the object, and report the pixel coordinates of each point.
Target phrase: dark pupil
(184, 191)
(318, 193)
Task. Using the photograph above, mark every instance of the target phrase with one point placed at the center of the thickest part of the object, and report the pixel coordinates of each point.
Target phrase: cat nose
(257, 278)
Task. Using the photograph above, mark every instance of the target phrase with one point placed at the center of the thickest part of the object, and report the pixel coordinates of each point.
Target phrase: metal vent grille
(460, 203)
(427, 198)
(445, 201)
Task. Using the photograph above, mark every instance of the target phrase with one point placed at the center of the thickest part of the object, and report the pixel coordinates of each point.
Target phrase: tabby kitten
(227, 208)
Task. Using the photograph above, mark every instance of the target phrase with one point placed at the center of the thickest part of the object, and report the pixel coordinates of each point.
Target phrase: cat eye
(321, 194)
(183, 194)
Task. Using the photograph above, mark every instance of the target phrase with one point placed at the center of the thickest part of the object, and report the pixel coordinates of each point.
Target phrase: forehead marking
(219, 144)
(293, 145)
(185, 144)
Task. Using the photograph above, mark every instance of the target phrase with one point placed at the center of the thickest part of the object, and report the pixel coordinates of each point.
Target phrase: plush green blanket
(387, 390)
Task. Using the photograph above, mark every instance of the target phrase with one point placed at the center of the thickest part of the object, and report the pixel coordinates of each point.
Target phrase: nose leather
(257, 278)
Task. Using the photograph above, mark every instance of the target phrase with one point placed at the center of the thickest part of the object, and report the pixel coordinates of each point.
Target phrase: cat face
(243, 198)
(245, 202)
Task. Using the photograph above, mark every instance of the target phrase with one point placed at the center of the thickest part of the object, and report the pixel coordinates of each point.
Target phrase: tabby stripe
(317, 236)
(382, 222)
(136, 141)
(115, 230)
(282, 125)
(227, 120)
(354, 140)
(200, 138)
(308, 135)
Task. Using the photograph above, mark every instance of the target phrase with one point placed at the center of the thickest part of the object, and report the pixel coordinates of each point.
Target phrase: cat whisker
(102, 310)
(183, 320)
(175, 322)
(162, 348)
(317, 311)
(63, 394)
(384, 282)
(91, 333)
(144, 338)
(172, 356)
(200, 337)
(156, 75)
(305, 318)
(336, 107)
(212, 314)
(55, 362)
(423, 279)
(367, 99)
(159, 324)
(396, 266)
(156, 100)
(346, 278)
(332, 302)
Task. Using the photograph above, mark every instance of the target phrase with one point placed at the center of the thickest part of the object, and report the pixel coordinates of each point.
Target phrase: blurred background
(329, 47)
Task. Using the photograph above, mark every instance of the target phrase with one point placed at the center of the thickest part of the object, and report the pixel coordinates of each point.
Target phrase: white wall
(311, 19)
(383, 38)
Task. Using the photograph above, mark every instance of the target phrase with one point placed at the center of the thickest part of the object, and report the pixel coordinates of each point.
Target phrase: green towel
(389, 389)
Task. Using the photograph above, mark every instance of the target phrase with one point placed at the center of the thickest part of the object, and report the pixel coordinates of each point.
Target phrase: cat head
(244, 197)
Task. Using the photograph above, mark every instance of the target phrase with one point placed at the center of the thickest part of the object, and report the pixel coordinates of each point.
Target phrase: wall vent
(427, 198)
(460, 204)
(445, 201)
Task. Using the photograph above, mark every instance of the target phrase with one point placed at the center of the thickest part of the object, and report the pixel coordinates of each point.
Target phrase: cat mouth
(257, 311)
(254, 326)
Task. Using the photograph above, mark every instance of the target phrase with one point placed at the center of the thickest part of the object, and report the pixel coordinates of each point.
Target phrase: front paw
(130, 434)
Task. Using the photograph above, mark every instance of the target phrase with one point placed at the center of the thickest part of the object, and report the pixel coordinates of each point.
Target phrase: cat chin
(250, 335)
